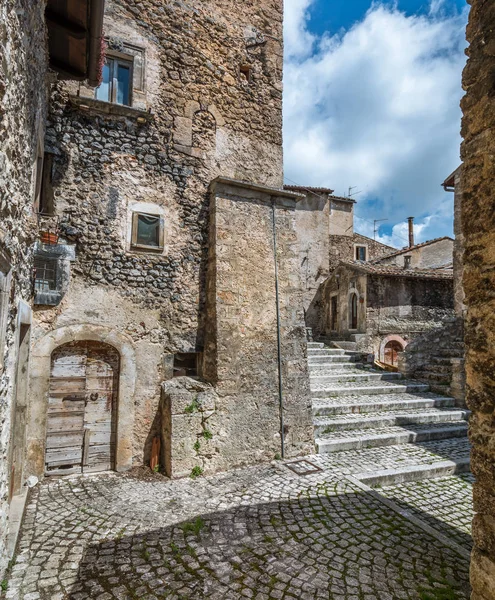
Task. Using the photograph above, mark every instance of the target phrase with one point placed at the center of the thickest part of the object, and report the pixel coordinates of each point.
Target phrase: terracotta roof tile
(395, 271)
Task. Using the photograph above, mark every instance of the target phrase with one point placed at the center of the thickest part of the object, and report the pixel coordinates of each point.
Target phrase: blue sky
(372, 93)
(332, 15)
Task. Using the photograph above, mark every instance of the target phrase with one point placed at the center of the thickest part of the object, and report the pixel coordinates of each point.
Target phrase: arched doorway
(333, 313)
(82, 407)
(391, 352)
(353, 312)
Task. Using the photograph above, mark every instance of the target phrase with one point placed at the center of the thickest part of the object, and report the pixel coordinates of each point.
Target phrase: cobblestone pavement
(444, 503)
(263, 533)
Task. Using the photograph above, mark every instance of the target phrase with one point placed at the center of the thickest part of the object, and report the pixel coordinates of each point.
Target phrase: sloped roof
(396, 271)
(411, 248)
(302, 188)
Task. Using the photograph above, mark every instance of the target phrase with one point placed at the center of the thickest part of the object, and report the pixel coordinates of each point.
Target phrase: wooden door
(81, 409)
(334, 308)
(392, 350)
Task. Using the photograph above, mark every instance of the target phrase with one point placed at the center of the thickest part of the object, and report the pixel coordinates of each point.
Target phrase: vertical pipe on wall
(279, 338)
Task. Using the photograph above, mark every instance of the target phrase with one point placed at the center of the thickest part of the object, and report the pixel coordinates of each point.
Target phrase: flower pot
(47, 237)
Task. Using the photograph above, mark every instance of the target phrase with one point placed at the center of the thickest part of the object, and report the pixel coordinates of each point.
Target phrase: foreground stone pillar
(241, 358)
(478, 224)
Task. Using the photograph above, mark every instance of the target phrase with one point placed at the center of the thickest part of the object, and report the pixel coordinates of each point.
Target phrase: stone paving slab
(444, 503)
(264, 533)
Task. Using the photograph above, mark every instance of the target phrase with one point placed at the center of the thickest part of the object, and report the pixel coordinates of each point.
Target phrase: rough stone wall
(196, 117)
(342, 247)
(437, 357)
(407, 307)
(241, 357)
(312, 217)
(478, 226)
(23, 102)
(458, 247)
(426, 257)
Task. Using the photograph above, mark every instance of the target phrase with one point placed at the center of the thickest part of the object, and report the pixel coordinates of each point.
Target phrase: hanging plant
(101, 62)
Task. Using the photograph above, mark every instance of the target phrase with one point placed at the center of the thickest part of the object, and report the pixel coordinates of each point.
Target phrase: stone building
(325, 236)
(381, 308)
(29, 66)
(173, 252)
(432, 254)
(478, 226)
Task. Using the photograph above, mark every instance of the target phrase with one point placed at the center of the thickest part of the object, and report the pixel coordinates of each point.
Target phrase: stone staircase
(356, 407)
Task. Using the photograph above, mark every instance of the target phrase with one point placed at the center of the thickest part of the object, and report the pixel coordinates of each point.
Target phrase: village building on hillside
(380, 308)
(378, 299)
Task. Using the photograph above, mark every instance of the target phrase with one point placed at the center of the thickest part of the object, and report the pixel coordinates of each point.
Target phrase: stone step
(367, 388)
(414, 472)
(376, 403)
(345, 345)
(316, 345)
(358, 377)
(389, 436)
(325, 352)
(323, 369)
(329, 424)
(328, 359)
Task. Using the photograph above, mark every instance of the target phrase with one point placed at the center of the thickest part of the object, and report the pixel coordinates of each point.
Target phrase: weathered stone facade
(205, 101)
(23, 106)
(478, 226)
(432, 254)
(391, 305)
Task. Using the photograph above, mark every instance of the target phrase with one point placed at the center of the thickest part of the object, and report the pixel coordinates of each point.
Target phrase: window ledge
(47, 298)
(99, 107)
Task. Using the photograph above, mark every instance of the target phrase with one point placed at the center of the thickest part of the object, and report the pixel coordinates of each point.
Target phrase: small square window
(147, 231)
(361, 253)
(116, 84)
(186, 364)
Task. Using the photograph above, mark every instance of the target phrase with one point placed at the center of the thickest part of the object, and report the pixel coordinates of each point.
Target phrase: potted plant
(49, 230)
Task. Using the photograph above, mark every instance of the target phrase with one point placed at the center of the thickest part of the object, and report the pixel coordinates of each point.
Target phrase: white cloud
(377, 107)
(298, 40)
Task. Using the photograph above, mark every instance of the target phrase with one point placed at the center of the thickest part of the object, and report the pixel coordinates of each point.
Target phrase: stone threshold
(16, 515)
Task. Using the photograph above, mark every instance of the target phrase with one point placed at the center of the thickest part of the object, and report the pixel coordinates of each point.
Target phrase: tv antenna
(375, 228)
(351, 193)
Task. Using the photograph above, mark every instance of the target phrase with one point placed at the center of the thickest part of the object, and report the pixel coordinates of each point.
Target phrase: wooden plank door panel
(81, 408)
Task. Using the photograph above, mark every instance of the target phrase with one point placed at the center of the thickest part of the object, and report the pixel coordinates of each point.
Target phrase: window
(45, 278)
(147, 231)
(361, 253)
(407, 262)
(186, 364)
(246, 72)
(116, 85)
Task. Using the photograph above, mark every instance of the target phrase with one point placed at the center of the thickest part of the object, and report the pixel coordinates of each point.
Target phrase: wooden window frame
(357, 247)
(124, 59)
(134, 233)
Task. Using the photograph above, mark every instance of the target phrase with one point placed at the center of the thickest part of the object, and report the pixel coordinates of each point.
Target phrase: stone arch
(386, 340)
(39, 382)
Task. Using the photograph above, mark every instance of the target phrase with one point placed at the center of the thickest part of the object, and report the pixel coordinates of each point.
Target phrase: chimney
(411, 231)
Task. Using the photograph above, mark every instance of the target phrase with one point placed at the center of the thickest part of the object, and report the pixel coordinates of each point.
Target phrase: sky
(371, 101)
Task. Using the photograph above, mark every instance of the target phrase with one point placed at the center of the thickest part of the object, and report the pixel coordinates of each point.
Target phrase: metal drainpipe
(279, 339)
